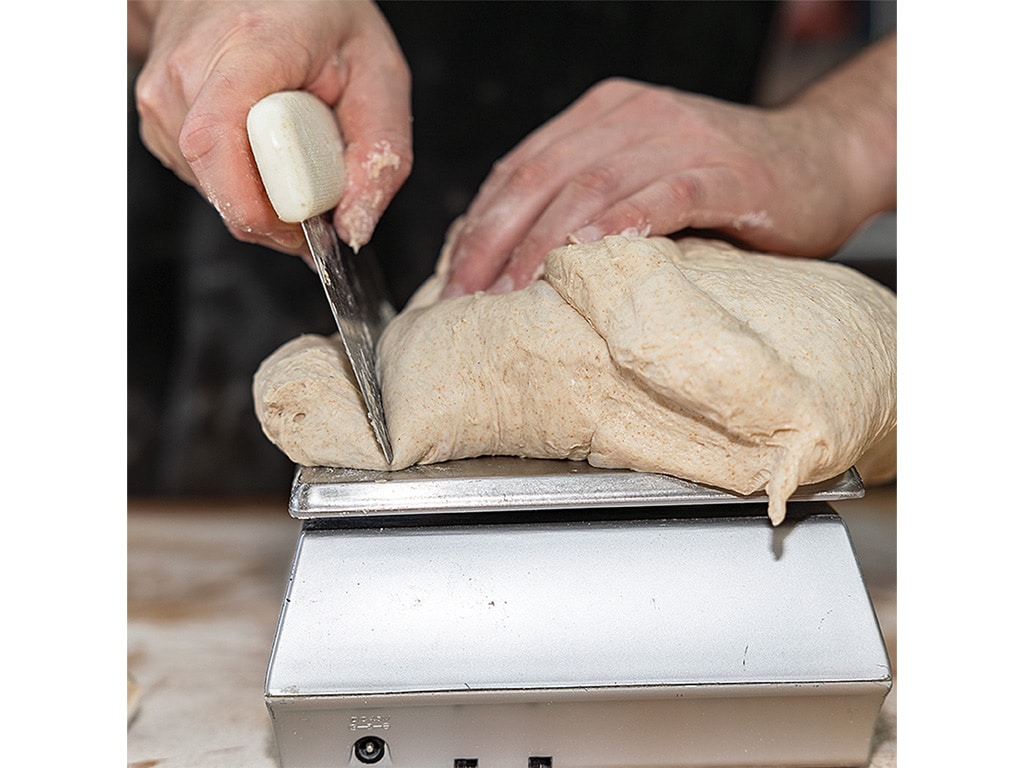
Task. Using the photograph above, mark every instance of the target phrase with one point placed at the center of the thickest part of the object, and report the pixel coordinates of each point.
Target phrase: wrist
(852, 112)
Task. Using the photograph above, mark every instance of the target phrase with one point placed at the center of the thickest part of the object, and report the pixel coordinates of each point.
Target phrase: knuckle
(652, 100)
(683, 191)
(155, 88)
(611, 88)
(528, 176)
(197, 138)
(597, 182)
(147, 96)
(501, 167)
(399, 72)
(475, 239)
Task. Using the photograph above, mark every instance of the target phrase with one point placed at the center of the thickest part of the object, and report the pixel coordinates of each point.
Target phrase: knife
(298, 150)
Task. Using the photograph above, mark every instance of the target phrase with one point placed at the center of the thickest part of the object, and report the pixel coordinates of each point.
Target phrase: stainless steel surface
(504, 483)
(359, 316)
(618, 643)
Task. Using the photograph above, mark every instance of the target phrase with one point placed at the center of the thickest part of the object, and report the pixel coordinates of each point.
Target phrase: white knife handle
(298, 150)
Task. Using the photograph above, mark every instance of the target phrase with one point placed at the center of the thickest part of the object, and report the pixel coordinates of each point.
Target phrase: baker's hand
(207, 63)
(637, 159)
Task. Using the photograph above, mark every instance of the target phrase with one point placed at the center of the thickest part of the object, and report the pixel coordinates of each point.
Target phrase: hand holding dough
(691, 358)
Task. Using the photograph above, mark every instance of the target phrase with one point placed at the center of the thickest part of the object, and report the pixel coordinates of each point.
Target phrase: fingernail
(503, 284)
(641, 231)
(451, 290)
(457, 255)
(588, 234)
(290, 241)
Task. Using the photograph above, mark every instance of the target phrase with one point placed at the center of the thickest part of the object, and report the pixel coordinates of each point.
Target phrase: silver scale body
(528, 613)
(506, 612)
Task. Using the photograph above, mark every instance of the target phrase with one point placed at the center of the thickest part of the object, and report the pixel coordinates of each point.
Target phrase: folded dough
(692, 358)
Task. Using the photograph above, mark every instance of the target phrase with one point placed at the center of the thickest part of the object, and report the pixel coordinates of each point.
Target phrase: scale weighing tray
(525, 613)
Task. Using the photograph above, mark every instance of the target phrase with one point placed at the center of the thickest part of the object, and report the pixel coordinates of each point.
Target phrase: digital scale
(525, 613)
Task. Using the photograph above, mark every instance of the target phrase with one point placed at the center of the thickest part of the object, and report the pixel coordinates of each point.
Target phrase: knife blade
(298, 151)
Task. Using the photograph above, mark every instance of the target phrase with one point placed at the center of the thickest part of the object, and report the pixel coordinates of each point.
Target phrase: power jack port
(369, 749)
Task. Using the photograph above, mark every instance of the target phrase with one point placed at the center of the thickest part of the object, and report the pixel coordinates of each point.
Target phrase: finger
(375, 116)
(194, 94)
(161, 114)
(164, 130)
(585, 196)
(706, 198)
(215, 143)
(486, 240)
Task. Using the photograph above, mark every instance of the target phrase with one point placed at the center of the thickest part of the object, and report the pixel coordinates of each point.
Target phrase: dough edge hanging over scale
(692, 358)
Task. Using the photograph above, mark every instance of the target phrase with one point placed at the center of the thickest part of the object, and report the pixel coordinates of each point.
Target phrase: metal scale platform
(521, 613)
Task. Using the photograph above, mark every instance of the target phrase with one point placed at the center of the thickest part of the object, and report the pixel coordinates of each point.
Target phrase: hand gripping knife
(299, 153)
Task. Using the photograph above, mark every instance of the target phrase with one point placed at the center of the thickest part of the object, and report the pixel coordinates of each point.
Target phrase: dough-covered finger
(375, 117)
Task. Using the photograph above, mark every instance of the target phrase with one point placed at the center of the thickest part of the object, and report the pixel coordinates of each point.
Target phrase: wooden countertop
(205, 584)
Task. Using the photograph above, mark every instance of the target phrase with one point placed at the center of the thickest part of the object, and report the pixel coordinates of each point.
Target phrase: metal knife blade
(298, 151)
(351, 309)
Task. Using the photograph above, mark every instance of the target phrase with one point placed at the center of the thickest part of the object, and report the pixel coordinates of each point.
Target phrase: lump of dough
(692, 358)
